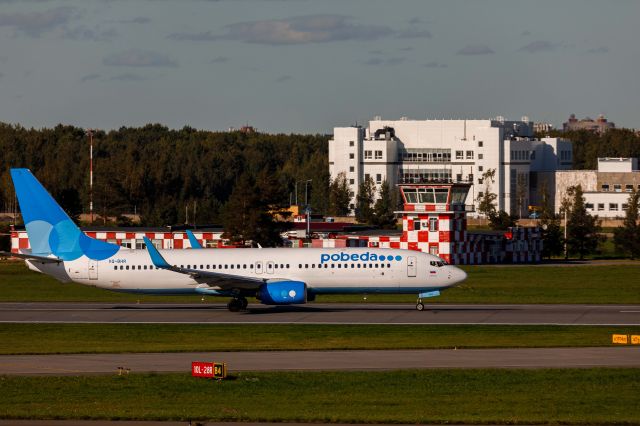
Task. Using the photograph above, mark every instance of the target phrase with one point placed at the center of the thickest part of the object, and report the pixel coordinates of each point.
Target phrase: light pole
(90, 132)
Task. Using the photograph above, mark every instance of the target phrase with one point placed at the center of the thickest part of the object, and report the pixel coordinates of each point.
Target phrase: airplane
(275, 276)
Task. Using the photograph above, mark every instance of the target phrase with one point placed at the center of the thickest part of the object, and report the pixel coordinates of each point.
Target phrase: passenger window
(306, 265)
(275, 266)
(300, 265)
(213, 266)
(115, 268)
(326, 266)
(238, 266)
(382, 265)
(333, 265)
(226, 266)
(144, 267)
(353, 265)
(244, 266)
(127, 267)
(232, 266)
(388, 265)
(287, 266)
(313, 266)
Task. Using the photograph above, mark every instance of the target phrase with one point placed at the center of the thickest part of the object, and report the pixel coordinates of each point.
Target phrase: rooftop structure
(599, 125)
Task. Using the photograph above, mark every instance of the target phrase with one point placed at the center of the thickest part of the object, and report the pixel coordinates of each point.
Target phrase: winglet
(156, 258)
(195, 244)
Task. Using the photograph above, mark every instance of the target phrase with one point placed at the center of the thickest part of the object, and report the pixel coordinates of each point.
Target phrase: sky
(307, 66)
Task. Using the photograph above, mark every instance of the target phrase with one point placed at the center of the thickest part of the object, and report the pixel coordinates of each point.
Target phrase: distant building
(543, 127)
(606, 190)
(448, 151)
(599, 125)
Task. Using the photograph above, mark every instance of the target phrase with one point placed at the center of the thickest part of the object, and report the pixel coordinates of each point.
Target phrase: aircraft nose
(457, 275)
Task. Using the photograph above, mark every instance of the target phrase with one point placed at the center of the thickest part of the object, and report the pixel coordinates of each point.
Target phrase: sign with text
(210, 370)
(635, 340)
(620, 339)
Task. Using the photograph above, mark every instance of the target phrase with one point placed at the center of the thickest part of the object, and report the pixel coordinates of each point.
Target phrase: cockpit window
(437, 263)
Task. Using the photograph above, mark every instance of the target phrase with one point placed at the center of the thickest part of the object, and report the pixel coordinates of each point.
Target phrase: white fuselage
(324, 270)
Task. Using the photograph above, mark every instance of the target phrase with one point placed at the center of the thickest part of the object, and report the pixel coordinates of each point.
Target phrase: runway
(324, 360)
(320, 313)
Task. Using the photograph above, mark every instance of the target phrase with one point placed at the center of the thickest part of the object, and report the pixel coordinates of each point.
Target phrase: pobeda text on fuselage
(275, 276)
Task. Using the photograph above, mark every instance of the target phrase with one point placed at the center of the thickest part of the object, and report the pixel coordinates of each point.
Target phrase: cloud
(136, 20)
(128, 77)
(434, 64)
(525, 33)
(539, 46)
(203, 36)
(87, 34)
(283, 78)
(414, 21)
(295, 30)
(476, 49)
(219, 60)
(389, 61)
(89, 77)
(598, 50)
(35, 23)
(139, 58)
(414, 33)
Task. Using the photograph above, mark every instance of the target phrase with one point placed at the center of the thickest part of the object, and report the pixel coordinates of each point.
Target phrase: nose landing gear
(420, 305)
(237, 304)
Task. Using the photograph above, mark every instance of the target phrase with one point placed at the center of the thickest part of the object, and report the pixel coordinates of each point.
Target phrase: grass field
(593, 396)
(485, 284)
(116, 338)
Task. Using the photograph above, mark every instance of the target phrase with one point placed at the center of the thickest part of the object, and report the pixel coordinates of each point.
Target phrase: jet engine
(283, 293)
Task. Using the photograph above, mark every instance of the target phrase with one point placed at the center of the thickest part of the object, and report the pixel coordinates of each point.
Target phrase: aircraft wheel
(420, 306)
(243, 303)
(234, 305)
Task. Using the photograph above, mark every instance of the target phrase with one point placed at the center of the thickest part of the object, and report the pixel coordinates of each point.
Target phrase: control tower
(434, 218)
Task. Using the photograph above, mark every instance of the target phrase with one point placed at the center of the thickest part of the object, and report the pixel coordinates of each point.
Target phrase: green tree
(552, 238)
(582, 228)
(627, 237)
(385, 206)
(339, 196)
(487, 199)
(364, 201)
(247, 217)
(501, 221)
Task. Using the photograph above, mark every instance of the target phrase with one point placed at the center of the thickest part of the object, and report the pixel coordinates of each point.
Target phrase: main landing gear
(237, 304)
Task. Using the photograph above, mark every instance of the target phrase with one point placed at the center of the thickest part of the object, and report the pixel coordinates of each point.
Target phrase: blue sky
(309, 65)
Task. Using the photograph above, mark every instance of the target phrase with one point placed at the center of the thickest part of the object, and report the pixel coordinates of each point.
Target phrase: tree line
(167, 176)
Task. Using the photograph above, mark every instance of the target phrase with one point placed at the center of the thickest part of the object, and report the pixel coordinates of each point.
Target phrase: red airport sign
(209, 370)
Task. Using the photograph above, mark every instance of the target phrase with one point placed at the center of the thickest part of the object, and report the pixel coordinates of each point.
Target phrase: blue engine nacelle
(283, 293)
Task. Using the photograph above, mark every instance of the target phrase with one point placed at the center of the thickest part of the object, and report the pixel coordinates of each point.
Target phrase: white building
(448, 150)
(606, 190)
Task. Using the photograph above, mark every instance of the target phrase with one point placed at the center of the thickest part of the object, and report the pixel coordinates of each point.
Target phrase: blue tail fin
(50, 229)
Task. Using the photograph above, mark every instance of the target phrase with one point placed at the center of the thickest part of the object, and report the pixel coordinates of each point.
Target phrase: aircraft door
(258, 267)
(270, 267)
(93, 269)
(78, 270)
(412, 267)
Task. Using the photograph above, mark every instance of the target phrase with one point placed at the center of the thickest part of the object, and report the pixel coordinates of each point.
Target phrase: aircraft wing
(219, 279)
(27, 256)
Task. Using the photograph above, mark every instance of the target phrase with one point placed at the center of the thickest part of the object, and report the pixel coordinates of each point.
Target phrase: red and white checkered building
(434, 220)
(132, 238)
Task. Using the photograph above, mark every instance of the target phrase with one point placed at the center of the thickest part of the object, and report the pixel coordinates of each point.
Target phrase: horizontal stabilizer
(25, 256)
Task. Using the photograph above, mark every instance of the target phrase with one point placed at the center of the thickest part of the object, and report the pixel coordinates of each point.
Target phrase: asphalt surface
(624, 356)
(320, 313)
